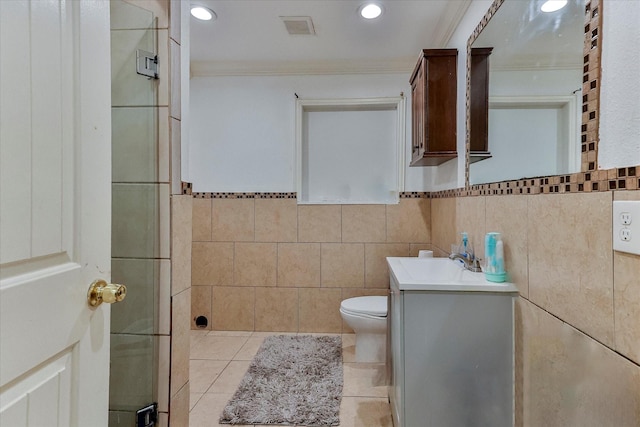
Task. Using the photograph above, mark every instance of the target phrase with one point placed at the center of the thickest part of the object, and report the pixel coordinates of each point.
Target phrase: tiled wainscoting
(269, 264)
(578, 315)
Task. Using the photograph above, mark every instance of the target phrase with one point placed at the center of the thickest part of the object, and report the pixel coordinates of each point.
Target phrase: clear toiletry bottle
(494, 256)
(464, 247)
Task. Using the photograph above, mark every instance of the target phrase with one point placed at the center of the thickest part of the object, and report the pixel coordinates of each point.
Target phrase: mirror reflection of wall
(535, 82)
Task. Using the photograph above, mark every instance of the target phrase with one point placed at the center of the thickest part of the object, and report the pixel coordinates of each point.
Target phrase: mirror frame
(590, 118)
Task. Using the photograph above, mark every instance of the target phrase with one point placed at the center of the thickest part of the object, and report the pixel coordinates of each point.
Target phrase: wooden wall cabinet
(433, 107)
(479, 104)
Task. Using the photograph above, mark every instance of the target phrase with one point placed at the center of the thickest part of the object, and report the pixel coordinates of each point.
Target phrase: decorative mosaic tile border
(291, 195)
(591, 86)
(187, 188)
(209, 195)
(414, 195)
(582, 182)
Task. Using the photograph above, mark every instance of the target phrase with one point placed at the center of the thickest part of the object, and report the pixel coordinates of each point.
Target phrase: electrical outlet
(625, 218)
(625, 234)
(626, 226)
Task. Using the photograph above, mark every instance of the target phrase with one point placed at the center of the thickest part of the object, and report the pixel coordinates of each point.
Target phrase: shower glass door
(138, 258)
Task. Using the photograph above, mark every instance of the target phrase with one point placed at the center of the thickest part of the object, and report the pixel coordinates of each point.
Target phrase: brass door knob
(101, 291)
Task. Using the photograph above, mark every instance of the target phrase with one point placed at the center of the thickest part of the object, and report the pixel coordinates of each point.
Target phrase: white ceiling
(249, 37)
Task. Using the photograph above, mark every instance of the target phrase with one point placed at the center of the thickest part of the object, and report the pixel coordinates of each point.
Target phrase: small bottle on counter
(494, 255)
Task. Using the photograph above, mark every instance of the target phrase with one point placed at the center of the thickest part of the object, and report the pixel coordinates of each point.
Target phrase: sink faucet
(470, 262)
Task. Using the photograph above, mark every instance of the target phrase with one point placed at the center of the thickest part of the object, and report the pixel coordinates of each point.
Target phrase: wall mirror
(537, 69)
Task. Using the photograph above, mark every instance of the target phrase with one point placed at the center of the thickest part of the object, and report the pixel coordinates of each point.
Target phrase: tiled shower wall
(578, 315)
(151, 240)
(269, 264)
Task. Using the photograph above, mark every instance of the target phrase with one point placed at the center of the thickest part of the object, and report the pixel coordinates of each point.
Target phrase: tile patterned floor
(220, 359)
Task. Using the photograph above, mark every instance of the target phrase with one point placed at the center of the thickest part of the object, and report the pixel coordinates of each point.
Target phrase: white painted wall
(620, 87)
(517, 134)
(530, 140)
(535, 82)
(242, 128)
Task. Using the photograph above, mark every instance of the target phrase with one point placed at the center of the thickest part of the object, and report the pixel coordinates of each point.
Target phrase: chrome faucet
(470, 262)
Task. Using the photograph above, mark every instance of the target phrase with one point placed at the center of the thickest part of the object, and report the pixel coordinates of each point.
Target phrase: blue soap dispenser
(494, 255)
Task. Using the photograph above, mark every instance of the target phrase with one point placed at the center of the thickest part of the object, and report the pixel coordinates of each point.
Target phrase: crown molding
(448, 23)
(288, 68)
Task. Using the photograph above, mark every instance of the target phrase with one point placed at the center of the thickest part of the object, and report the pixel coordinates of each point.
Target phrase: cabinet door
(441, 104)
(479, 104)
(433, 107)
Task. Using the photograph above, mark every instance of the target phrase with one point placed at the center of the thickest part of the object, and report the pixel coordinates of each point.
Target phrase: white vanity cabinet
(452, 356)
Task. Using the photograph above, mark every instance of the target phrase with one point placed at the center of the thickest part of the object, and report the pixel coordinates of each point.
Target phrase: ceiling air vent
(299, 25)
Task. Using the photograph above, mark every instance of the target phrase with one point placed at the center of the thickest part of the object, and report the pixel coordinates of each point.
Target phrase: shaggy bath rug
(293, 380)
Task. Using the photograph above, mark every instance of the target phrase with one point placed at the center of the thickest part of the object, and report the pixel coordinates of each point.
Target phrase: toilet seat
(371, 306)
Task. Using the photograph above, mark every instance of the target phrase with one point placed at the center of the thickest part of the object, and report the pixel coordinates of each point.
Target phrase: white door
(55, 208)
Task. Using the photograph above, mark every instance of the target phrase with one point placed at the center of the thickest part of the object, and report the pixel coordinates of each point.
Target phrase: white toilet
(367, 316)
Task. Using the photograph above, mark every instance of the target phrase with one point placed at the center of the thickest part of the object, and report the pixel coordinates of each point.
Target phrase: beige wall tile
(363, 223)
(572, 380)
(276, 309)
(471, 217)
(276, 220)
(627, 295)
(255, 264)
(320, 310)
(626, 270)
(443, 224)
(409, 221)
(211, 263)
(342, 265)
(179, 409)
(570, 260)
(163, 296)
(181, 217)
(232, 220)
(200, 305)
(201, 220)
(376, 268)
(163, 372)
(233, 309)
(319, 223)
(508, 216)
(299, 264)
(180, 325)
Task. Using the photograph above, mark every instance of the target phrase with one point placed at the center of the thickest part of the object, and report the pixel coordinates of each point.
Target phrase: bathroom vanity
(452, 347)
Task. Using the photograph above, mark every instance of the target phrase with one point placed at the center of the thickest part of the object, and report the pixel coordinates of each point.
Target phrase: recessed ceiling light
(370, 10)
(203, 13)
(553, 5)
